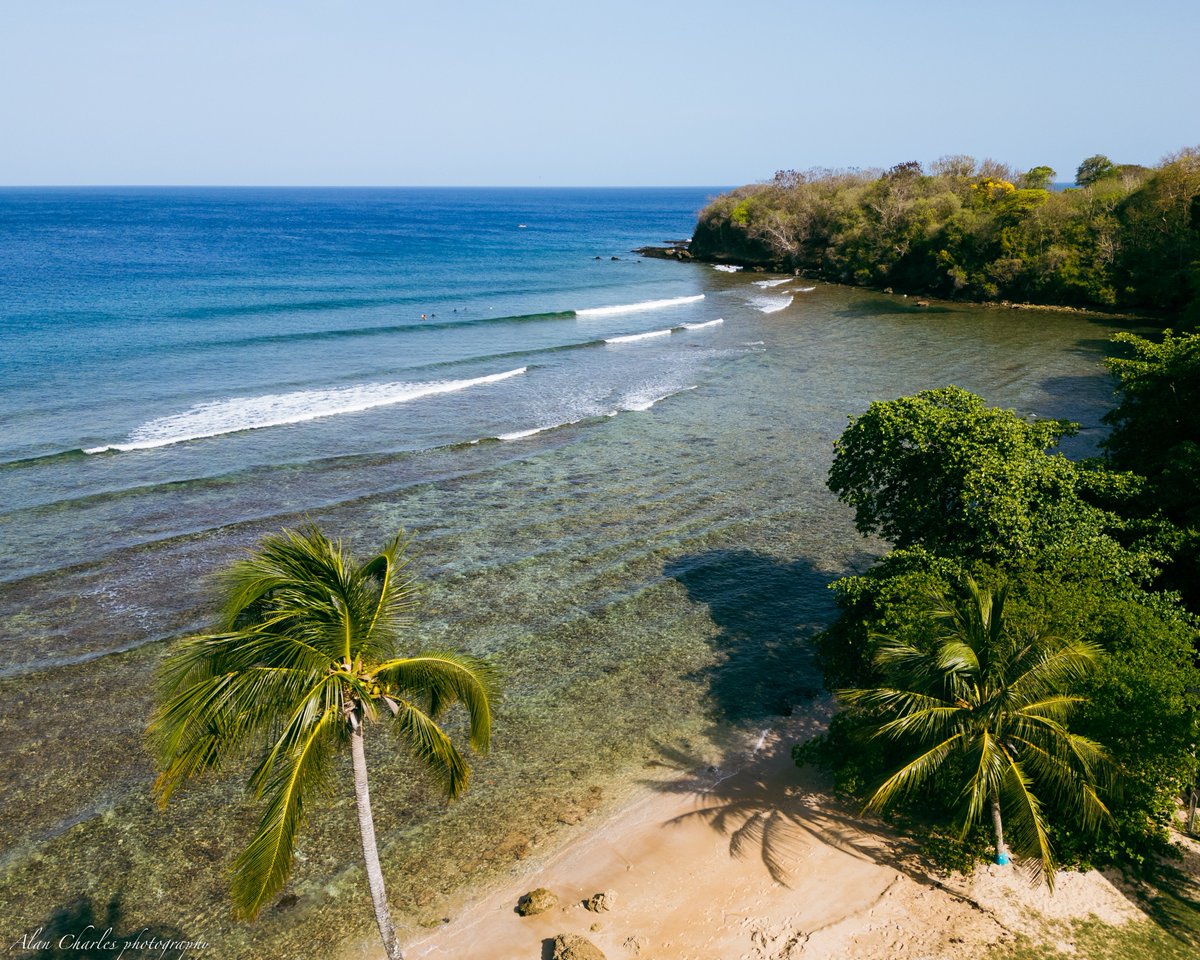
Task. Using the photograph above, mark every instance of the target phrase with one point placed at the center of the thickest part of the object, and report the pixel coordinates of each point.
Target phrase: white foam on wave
(770, 304)
(636, 307)
(701, 326)
(521, 434)
(637, 403)
(771, 283)
(726, 267)
(631, 337)
(273, 410)
(802, 289)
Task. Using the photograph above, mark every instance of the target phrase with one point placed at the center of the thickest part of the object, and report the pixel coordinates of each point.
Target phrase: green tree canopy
(1038, 178)
(944, 471)
(1157, 418)
(976, 230)
(967, 491)
(1138, 701)
(1156, 433)
(1094, 168)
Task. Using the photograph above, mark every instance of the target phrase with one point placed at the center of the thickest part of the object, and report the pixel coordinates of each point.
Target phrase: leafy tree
(1038, 178)
(1158, 414)
(905, 171)
(1092, 169)
(1159, 258)
(958, 165)
(304, 661)
(967, 491)
(996, 700)
(1156, 432)
(943, 471)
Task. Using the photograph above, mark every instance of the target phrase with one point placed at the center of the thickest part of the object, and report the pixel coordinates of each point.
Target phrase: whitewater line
(631, 337)
(636, 307)
(237, 414)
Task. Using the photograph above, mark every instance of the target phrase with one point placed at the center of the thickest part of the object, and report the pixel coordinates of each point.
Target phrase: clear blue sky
(580, 91)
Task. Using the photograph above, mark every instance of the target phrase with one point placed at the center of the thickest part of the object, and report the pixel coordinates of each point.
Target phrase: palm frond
(396, 594)
(298, 582)
(1053, 707)
(1067, 764)
(957, 657)
(912, 774)
(264, 866)
(432, 748)
(988, 770)
(922, 724)
(1055, 668)
(442, 678)
(216, 718)
(324, 695)
(890, 699)
(1025, 827)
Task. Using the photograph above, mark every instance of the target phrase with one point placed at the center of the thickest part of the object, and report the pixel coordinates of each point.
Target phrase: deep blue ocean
(612, 467)
(158, 336)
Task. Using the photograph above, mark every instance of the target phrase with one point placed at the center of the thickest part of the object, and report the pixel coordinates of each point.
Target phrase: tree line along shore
(1124, 237)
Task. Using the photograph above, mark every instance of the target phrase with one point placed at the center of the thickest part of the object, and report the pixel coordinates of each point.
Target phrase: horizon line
(364, 186)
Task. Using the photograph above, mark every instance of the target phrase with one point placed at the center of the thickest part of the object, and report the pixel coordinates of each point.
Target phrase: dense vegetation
(1156, 434)
(1085, 557)
(1124, 236)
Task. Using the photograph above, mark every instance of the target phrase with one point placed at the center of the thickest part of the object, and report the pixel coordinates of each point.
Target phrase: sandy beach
(753, 859)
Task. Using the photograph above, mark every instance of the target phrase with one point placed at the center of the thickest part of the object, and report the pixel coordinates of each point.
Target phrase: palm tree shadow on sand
(778, 813)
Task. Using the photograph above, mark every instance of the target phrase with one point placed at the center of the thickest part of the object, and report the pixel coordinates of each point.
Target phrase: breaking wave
(770, 304)
(631, 337)
(236, 414)
(637, 307)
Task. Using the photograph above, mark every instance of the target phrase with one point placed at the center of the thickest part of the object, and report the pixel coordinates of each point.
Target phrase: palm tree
(304, 660)
(997, 699)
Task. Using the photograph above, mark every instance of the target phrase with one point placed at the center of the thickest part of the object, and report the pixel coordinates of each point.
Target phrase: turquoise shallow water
(647, 575)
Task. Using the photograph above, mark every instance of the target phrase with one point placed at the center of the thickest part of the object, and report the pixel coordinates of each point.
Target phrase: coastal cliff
(721, 239)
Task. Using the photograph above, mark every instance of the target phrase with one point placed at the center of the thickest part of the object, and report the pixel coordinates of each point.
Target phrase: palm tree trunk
(998, 824)
(366, 829)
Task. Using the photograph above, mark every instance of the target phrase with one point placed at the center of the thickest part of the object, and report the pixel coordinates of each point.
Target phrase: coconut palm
(304, 661)
(998, 700)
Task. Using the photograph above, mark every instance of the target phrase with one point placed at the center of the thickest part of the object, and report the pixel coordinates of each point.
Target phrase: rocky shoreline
(675, 250)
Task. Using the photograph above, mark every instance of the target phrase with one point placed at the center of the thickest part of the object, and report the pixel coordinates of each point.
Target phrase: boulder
(600, 902)
(569, 946)
(536, 901)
